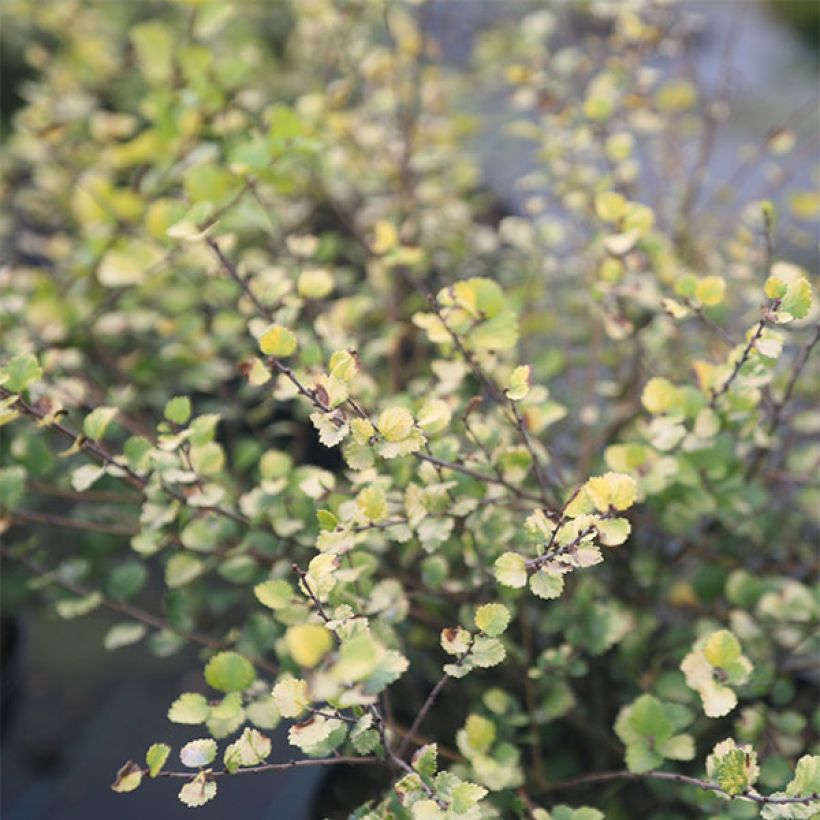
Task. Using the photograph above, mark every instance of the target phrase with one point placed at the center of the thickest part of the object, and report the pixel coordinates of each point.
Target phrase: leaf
(83, 478)
(156, 756)
(434, 416)
(207, 459)
(198, 792)
(659, 395)
(714, 687)
(314, 283)
(797, 299)
(124, 634)
(372, 503)
(198, 753)
(251, 749)
(455, 641)
(277, 340)
(610, 206)
(385, 237)
(189, 708)
(229, 672)
(464, 796)
(395, 424)
(96, 422)
(308, 643)
(520, 381)
(492, 619)
(181, 569)
(734, 768)
(358, 658)
(425, 760)
(721, 648)
(128, 778)
(12, 486)
(19, 372)
(774, 287)
(291, 697)
(275, 594)
(178, 409)
(546, 583)
(487, 652)
(710, 290)
(510, 569)
(77, 607)
(332, 427)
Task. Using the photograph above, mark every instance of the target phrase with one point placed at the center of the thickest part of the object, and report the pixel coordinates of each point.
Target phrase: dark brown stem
(603, 777)
(231, 270)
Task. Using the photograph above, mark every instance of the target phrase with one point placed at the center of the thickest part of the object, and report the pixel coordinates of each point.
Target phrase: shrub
(496, 504)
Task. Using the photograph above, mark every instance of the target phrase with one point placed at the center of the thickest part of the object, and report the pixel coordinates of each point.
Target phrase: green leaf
(229, 672)
(520, 381)
(721, 648)
(189, 708)
(274, 594)
(96, 422)
(774, 287)
(178, 409)
(547, 584)
(156, 756)
(510, 570)
(395, 423)
(797, 299)
(181, 569)
(734, 768)
(277, 340)
(358, 658)
(124, 634)
(464, 796)
(208, 459)
(12, 485)
(19, 372)
(487, 652)
(425, 760)
(372, 503)
(492, 619)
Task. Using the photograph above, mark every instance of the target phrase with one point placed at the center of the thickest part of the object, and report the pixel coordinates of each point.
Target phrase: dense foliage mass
(518, 512)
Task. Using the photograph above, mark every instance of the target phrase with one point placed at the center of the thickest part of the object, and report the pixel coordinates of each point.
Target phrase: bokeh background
(69, 707)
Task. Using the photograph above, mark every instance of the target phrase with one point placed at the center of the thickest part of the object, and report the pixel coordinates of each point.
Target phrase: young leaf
(229, 672)
(156, 756)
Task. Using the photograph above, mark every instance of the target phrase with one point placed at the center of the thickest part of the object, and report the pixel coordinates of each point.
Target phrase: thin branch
(603, 777)
(419, 719)
(129, 610)
(26, 516)
(276, 767)
(777, 409)
(231, 270)
(742, 359)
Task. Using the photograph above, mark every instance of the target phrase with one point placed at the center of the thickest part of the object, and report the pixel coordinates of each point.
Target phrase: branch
(777, 410)
(129, 610)
(231, 270)
(275, 767)
(760, 799)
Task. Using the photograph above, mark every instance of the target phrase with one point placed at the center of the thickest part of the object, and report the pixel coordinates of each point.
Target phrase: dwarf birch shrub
(519, 511)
